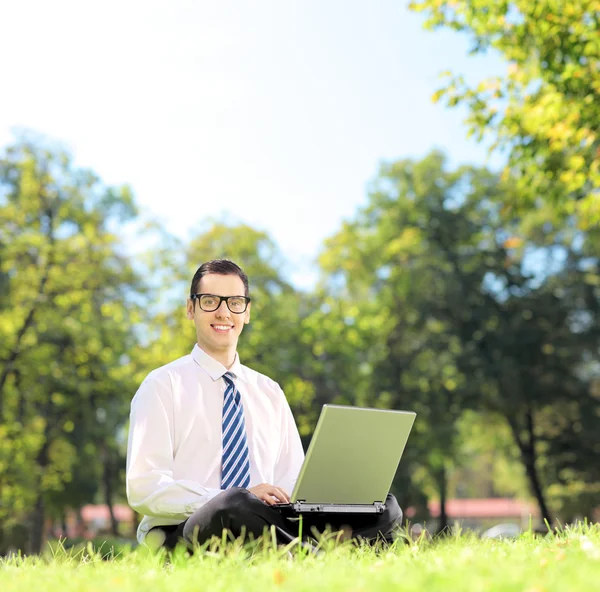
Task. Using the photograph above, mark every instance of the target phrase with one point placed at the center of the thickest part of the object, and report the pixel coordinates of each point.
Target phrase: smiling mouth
(222, 328)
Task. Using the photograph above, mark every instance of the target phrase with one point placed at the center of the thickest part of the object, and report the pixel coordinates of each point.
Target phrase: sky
(274, 113)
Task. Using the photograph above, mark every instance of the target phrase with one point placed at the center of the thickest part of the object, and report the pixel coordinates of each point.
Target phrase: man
(213, 444)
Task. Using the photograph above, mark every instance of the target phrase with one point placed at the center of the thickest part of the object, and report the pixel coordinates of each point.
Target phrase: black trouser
(239, 511)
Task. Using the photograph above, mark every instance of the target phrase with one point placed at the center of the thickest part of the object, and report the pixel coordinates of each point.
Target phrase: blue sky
(273, 113)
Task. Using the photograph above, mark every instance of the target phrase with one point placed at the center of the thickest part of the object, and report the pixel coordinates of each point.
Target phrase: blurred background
(413, 190)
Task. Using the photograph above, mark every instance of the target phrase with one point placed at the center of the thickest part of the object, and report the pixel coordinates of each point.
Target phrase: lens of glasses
(210, 303)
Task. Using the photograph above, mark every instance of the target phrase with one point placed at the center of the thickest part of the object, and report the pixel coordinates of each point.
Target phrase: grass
(566, 560)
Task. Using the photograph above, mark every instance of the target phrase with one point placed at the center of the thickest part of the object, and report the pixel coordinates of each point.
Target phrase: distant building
(478, 514)
(91, 520)
(97, 517)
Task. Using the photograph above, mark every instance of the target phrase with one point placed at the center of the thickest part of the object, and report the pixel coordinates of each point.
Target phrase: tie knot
(228, 376)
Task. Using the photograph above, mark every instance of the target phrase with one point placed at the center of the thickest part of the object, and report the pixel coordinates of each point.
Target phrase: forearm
(157, 495)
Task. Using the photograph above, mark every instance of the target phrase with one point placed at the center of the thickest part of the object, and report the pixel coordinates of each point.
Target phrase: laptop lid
(353, 455)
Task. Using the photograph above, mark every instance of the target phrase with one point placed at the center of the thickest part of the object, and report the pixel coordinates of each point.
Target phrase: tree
(378, 263)
(66, 308)
(464, 321)
(545, 113)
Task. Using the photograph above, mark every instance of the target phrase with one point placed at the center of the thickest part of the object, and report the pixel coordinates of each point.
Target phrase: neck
(225, 357)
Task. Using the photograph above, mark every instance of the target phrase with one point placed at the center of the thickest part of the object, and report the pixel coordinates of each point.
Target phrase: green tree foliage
(546, 111)
(463, 320)
(66, 314)
(488, 462)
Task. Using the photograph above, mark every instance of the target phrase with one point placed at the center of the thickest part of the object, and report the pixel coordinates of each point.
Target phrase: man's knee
(227, 511)
(393, 510)
(231, 500)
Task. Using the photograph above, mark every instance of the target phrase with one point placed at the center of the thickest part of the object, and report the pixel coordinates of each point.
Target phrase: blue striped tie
(235, 468)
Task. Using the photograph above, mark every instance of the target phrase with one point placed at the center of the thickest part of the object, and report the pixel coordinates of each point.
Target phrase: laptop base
(311, 508)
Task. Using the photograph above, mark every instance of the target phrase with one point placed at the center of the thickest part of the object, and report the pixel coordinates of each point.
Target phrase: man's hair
(221, 267)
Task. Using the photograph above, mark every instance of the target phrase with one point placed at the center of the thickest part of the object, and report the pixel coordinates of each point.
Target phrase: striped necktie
(235, 467)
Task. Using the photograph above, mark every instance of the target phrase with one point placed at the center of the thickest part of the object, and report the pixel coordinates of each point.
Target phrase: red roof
(100, 512)
(484, 508)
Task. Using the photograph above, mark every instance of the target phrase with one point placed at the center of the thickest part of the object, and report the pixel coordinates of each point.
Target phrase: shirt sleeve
(151, 488)
(291, 453)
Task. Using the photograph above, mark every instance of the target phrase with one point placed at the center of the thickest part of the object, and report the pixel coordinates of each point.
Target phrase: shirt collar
(215, 369)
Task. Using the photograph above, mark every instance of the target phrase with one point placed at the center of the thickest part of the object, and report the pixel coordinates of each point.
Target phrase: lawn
(568, 560)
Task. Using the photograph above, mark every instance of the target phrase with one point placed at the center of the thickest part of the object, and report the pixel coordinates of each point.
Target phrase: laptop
(351, 461)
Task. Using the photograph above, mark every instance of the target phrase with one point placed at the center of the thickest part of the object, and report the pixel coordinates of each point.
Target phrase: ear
(190, 309)
(247, 314)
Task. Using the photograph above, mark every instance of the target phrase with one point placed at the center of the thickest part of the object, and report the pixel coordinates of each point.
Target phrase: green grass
(568, 560)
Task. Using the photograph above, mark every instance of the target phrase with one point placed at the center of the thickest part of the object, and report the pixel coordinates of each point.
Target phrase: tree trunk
(81, 529)
(36, 538)
(36, 525)
(63, 523)
(442, 483)
(8, 363)
(534, 482)
(135, 522)
(529, 458)
(108, 492)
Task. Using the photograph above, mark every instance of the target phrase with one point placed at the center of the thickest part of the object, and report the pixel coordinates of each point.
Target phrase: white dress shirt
(175, 447)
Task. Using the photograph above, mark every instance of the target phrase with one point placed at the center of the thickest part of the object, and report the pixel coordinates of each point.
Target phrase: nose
(223, 310)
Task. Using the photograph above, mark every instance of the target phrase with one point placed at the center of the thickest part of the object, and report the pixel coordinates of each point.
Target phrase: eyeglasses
(211, 302)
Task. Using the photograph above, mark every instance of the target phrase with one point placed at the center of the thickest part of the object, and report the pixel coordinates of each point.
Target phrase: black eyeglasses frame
(221, 298)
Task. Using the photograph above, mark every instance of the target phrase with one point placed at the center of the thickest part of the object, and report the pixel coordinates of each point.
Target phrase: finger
(279, 494)
(268, 499)
(265, 497)
(282, 495)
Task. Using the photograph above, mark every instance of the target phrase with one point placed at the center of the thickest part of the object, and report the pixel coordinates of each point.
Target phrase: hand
(270, 494)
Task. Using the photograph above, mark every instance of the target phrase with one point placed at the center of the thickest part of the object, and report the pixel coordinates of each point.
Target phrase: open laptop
(351, 460)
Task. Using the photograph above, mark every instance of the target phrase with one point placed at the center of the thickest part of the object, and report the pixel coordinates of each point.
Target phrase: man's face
(218, 331)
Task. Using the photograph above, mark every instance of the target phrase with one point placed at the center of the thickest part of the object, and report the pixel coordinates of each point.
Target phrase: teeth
(222, 327)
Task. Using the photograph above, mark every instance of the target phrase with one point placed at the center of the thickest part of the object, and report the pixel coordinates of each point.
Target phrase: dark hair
(221, 267)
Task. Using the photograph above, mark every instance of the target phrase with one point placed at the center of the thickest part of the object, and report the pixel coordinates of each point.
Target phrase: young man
(213, 444)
